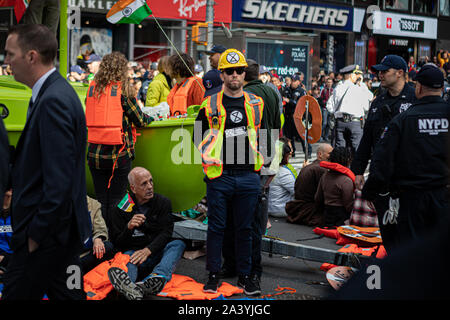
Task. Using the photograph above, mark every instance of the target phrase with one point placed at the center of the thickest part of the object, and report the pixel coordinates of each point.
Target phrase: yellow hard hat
(231, 58)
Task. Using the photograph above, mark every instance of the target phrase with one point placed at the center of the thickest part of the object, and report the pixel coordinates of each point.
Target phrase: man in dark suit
(4, 160)
(50, 219)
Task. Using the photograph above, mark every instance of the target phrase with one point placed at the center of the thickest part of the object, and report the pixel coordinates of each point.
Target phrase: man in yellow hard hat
(231, 162)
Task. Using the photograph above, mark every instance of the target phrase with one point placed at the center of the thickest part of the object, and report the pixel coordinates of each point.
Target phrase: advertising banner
(393, 24)
(285, 57)
(294, 13)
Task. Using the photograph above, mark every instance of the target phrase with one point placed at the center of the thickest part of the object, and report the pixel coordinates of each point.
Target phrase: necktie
(30, 106)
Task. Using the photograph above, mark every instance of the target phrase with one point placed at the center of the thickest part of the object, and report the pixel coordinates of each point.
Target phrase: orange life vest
(185, 288)
(104, 115)
(178, 96)
(96, 282)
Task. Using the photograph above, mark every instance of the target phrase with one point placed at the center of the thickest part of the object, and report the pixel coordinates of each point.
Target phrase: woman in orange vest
(112, 114)
(189, 89)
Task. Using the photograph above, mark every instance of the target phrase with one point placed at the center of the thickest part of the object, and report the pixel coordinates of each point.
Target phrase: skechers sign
(297, 14)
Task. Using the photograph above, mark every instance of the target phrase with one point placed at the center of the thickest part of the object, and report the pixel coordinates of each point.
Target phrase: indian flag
(128, 11)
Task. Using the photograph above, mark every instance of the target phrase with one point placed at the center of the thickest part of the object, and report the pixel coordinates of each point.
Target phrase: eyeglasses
(230, 71)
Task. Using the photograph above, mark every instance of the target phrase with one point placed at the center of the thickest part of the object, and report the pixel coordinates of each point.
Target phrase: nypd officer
(410, 161)
(292, 94)
(397, 97)
(348, 109)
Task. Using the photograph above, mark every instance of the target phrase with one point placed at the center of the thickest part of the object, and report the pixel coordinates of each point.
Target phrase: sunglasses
(230, 71)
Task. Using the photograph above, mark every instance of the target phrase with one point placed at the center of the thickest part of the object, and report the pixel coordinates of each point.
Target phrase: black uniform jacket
(411, 153)
(381, 111)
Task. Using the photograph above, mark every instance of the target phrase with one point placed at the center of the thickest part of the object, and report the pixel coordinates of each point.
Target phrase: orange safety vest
(177, 98)
(182, 287)
(96, 282)
(104, 115)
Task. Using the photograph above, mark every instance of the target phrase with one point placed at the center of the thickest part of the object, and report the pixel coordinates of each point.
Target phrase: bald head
(135, 172)
(141, 184)
(323, 151)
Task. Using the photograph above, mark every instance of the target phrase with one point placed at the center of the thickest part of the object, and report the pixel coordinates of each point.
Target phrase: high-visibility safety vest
(104, 115)
(177, 99)
(211, 147)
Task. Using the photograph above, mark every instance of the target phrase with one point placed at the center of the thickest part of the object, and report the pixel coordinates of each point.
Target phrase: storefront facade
(295, 36)
(145, 42)
(403, 35)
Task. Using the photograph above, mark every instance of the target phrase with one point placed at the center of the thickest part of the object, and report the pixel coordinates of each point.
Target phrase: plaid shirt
(326, 94)
(363, 215)
(101, 156)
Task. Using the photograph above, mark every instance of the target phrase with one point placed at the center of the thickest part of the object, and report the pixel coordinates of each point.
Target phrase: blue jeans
(162, 263)
(240, 191)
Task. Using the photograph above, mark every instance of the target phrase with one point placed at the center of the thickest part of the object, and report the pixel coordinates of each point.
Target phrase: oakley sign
(294, 13)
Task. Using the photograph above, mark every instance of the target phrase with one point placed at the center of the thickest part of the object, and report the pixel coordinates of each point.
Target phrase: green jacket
(271, 114)
(158, 90)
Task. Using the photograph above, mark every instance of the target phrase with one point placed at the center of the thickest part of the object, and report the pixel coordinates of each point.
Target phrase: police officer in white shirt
(348, 106)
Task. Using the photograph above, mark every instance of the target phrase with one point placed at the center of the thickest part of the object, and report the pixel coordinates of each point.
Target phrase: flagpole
(63, 39)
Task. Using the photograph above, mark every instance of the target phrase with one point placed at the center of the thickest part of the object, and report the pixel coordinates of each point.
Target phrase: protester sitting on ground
(303, 209)
(160, 87)
(5, 233)
(282, 186)
(100, 248)
(189, 89)
(142, 227)
(336, 188)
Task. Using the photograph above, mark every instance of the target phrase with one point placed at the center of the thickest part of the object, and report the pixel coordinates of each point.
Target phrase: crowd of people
(239, 101)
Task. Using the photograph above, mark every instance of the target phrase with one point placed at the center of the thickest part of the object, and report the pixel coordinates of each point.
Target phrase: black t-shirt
(236, 154)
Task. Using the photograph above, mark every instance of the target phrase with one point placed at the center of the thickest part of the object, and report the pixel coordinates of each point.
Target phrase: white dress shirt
(354, 101)
(38, 85)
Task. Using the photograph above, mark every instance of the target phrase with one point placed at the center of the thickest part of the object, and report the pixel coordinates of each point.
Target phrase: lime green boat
(164, 147)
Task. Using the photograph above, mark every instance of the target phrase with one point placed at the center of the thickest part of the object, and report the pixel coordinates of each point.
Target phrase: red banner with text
(192, 10)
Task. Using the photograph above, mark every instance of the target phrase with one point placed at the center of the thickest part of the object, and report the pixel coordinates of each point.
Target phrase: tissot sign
(297, 14)
(404, 25)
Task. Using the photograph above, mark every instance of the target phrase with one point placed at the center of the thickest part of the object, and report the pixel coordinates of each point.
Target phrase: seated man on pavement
(336, 188)
(142, 227)
(99, 247)
(303, 210)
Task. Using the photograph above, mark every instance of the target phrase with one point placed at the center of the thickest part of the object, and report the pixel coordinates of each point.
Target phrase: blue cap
(212, 82)
(263, 69)
(391, 61)
(217, 49)
(92, 58)
(431, 76)
(76, 69)
(295, 77)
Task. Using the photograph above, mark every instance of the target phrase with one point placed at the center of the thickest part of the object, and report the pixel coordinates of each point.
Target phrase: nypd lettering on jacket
(433, 126)
(295, 12)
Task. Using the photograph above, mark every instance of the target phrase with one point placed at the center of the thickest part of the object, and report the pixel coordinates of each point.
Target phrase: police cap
(353, 68)
(431, 76)
(391, 61)
(216, 49)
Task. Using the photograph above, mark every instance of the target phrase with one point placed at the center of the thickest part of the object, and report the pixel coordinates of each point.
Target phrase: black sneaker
(251, 286)
(152, 284)
(123, 284)
(212, 284)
